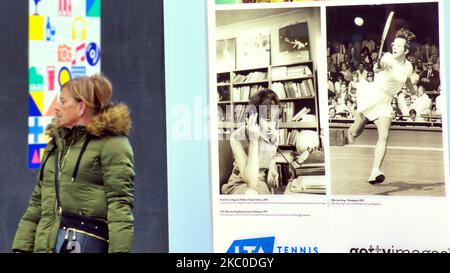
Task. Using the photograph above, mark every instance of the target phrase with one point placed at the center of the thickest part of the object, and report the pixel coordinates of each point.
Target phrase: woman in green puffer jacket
(103, 188)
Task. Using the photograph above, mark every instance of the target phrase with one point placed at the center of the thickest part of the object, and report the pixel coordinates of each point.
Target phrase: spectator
(370, 76)
(397, 113)
(436, 67)
(337, 84)
(415, 76)
(416, 53)
(365, 58)
(430, 78)
(331, 92)
(434, 51)
(333, 103)
(351, 53)
(412, 59)
(420, 65)
(423, 103)
(401, 97)
(413, 116)
(332, 113)
(362, 72)
(348, 62)
(345, 71)
(332, 74)
(337, 57)
(368, 43)
(408, 105)
(343, 95)
(426, 53)
(434, 116)
(351, 107)
(374, 54)
(353, 85)
(425, 50)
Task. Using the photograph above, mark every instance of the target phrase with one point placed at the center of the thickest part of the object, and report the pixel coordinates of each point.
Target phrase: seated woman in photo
(353, 85)
(346, 73)
(254, 147)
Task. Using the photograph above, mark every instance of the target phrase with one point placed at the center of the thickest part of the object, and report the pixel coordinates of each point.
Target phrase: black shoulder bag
(78, 233)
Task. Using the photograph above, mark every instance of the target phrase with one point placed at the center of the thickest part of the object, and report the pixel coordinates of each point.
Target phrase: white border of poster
(323, 223)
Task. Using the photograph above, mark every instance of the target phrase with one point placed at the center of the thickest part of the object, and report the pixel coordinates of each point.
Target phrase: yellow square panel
(36, 27)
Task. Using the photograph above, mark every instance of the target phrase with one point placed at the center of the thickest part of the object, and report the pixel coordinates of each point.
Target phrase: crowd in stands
(350, 63)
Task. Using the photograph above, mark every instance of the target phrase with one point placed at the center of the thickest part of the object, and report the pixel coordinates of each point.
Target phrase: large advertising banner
(64, 43)
(328, 127)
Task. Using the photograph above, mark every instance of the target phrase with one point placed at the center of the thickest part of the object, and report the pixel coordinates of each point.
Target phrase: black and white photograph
(270, 136)
(226, 54)
(293, 44)
(253, 49)
(385, 101)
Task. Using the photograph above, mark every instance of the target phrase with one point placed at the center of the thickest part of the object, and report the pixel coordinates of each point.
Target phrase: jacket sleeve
(118, 175)
(26, 231)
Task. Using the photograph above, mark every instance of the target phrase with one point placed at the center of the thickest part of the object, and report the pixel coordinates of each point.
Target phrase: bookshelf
(295, 85)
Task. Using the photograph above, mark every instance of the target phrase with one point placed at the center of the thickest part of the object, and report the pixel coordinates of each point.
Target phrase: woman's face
(420, 90)
(343, 88)
(67, 110)
(268, 123)
(343, 67)
(332, 113)
(436, 66)
(399, 47)
(419, 63)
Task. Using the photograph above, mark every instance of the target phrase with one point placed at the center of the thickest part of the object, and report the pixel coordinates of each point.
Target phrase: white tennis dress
(374, 98)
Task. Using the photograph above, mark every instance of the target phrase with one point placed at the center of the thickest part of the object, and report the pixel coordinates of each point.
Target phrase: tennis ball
(359, 21)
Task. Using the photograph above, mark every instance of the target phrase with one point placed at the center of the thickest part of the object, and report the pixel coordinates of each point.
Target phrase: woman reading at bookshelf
(374, 98)
(254, 147)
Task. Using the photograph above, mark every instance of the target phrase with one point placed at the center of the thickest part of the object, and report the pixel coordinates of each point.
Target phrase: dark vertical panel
(132, 57)
(16, 181)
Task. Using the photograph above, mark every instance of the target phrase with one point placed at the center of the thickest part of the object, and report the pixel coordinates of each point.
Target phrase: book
(279, 72)
(310, 85)
(300, 114)
(308, 184)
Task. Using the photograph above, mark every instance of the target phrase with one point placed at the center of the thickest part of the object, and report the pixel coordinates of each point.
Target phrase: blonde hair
(95, 91)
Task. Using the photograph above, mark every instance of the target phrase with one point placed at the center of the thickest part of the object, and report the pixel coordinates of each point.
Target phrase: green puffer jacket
(102, 189)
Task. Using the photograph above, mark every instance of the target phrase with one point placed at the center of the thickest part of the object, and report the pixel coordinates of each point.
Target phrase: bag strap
(58, 201)
(74, 174)
(41, 171)
(77, 165)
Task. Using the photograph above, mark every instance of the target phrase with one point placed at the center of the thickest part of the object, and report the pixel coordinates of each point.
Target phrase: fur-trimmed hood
(115, 120)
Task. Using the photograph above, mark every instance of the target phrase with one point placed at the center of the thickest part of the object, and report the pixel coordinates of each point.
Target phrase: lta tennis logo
(267, 245)
(256, 245)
